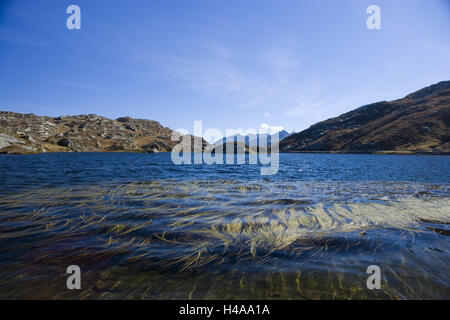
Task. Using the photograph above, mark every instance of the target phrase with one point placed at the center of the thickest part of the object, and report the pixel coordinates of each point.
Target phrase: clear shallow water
(141, 227)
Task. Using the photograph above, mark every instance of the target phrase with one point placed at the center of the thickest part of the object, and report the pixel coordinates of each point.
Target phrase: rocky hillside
(28, 133)
(418, 123)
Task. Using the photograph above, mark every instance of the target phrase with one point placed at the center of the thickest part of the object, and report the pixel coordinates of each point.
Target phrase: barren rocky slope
(418, 123)
(28, 133)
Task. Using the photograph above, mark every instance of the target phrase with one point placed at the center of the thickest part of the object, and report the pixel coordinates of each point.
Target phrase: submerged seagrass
(204, 237)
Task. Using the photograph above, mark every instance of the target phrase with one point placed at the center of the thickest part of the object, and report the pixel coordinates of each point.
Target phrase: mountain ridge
(417, 123)
(28, 133)
(252, 140)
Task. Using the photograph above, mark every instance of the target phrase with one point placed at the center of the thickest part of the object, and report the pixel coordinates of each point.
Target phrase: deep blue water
(69, 169)
(142, 227)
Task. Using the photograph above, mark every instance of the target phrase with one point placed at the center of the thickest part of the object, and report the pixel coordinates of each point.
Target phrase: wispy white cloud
(78, 85)
(283, 60)
(213, 77)
(307, 107)
(319, 106)
(266, 128)
(274, 80)
(220, 72)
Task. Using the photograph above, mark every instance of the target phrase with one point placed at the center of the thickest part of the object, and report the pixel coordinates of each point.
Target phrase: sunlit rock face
(28, 133)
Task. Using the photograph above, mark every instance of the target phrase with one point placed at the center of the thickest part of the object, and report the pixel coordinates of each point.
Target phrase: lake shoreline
(387, 152)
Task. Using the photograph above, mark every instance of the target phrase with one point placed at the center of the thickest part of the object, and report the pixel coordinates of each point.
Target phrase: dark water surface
(140, 227)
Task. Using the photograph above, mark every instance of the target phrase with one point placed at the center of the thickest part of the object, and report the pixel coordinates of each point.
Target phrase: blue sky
(231, 64)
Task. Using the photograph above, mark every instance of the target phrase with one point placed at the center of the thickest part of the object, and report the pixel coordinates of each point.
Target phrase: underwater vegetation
(227, 239)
